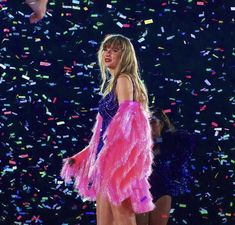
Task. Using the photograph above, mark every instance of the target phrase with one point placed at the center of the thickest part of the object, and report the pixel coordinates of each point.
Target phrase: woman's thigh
(104, 214)
(123, 214)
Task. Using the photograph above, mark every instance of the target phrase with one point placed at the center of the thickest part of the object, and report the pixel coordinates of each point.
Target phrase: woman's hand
(70, 161)
(39, 8)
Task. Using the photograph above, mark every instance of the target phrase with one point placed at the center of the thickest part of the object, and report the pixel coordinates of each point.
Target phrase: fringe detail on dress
(123, 165)
(84, 160)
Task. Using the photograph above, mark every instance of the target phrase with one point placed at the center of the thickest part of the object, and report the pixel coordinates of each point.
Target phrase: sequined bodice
(108, 106)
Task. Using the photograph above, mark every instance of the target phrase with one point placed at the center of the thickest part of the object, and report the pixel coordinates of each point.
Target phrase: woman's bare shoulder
(124, 88)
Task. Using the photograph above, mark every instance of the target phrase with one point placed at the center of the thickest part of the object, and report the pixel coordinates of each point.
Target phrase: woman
(170, 175)
(114, 168)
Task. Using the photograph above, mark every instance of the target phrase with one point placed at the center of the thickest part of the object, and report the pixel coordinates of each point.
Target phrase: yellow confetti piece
(148, 21)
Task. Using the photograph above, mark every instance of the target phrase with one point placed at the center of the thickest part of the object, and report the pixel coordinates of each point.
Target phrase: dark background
(49, 84)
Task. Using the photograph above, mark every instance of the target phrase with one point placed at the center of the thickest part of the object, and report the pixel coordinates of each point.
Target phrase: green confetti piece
(44, 96)
(94, 15)
(42, 173)
(182, 205)
(203, 211)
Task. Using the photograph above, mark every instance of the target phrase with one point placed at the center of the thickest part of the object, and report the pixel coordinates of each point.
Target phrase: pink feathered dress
(117, 162)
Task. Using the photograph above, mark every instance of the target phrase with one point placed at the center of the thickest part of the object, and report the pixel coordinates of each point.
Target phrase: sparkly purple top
(171, 169)
(108, 106)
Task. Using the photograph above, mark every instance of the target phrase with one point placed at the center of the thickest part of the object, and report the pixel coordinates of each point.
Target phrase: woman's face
(111, 56)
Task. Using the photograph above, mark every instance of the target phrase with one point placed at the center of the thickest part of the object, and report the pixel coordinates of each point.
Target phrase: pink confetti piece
(167, 110)
(12, 162)
(54, 100)
(45, 64)
(7, 113)
(19, 217)
(35, 218)
(75, 116)
(214, 124)
(5, 30)
(126, 25)
(23, 156)
(200, 3)
(67, 69)
(202, 108)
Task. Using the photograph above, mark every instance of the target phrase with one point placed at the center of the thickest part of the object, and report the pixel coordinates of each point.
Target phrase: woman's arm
(77, 157)
(124, 88)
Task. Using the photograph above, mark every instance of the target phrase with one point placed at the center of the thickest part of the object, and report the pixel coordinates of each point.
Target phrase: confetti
(148, 21)
(49, 84)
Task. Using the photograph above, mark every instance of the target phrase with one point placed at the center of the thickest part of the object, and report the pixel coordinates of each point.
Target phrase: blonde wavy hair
(128, 64)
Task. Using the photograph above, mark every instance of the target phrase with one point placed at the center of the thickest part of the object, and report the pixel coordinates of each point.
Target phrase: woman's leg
(160, 215)
(142, 219)
(123, 214)
(104, 214)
